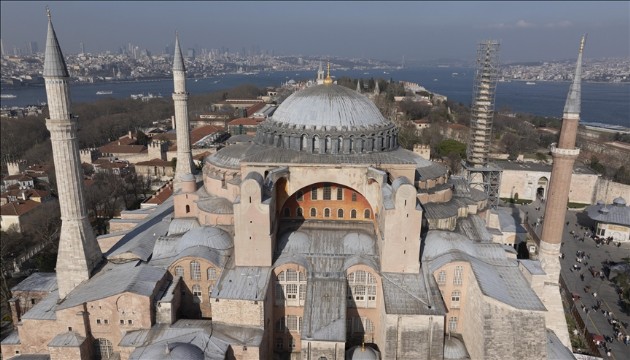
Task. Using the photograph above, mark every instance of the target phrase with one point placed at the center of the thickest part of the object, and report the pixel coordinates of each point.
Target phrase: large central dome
(328, 119)
(329, 106)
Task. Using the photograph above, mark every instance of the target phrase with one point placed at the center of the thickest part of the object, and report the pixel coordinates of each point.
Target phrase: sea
(602, 103)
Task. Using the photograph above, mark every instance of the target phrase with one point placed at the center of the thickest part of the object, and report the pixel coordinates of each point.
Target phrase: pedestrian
(582, 277)
(594, 294)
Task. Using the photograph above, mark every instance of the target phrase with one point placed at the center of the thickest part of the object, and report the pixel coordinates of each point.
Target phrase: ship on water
(7, 96)
(104, 92)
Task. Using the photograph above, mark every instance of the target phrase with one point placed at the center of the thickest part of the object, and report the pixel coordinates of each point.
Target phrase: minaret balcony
(564, 152)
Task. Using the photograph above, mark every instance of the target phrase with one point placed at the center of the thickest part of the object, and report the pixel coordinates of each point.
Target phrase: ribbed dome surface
(331, 106)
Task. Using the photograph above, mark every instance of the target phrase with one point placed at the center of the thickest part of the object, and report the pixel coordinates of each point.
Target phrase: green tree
(451, 146)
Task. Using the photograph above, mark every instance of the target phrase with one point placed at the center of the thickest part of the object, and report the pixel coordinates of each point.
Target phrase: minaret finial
(48, 12)
(328, 80)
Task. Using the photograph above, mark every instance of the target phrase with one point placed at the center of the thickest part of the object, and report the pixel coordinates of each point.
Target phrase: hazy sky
(527, 31)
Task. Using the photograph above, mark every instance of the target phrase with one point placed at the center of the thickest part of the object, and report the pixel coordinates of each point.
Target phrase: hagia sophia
(320, 238)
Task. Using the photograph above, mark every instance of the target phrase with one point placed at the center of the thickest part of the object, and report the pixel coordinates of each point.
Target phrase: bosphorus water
(607, 103)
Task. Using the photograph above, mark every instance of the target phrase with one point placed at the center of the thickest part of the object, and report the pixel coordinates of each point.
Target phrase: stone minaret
(320, 74)
(79, 252)
(180, 98)
(564, 155)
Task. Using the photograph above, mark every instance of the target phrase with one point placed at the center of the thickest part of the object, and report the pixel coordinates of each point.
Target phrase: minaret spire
(572, 105)
(564, 155)
(79, 252)
(359, 86)
(180, 99)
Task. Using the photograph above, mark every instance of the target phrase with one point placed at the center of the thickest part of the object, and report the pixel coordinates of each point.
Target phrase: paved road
(595, 321)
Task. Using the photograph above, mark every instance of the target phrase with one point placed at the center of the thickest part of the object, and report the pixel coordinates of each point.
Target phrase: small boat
(7, 96)
(104, 92)
(530, 83)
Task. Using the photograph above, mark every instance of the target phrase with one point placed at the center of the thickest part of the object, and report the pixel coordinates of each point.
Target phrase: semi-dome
(207, 236)
(329, 106)
(619, 201)
(328, 119)
(172, 351)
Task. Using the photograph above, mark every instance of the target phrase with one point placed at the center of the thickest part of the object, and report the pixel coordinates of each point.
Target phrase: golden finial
(582, 42)
(48, 12)
(328, 80)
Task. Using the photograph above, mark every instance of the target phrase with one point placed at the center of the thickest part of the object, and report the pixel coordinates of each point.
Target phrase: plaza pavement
(595, 321)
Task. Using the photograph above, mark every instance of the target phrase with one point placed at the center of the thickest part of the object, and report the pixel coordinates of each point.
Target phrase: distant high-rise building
(31, 47)
(82, 48)
(191, 54)
(2, 46)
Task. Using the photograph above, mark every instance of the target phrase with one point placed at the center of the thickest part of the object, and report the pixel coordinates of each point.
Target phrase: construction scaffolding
(481, 174)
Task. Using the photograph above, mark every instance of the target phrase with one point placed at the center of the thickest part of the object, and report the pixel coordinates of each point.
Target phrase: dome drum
(328, 140)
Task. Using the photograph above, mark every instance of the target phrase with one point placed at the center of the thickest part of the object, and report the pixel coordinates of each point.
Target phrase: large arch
(541, 187)
(324, 198)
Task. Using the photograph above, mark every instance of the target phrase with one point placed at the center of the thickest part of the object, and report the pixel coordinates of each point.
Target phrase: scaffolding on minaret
(482, 174)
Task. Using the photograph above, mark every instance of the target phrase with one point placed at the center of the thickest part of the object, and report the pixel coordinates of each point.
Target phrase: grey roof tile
(243, 283)
(67, 339)
(39, 281)
(325, 309)
(44, 309)
(113, 279)
(611, 214)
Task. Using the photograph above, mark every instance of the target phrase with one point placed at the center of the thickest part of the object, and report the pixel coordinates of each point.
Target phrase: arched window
(291, 288)
(304, 143)
(313, 193)
(361, 289)
(457, 279)
(299, 212)
(340, 213)
(327, 192)
(350, 144)
(212, 274)
(441, 280)
(195, 270)
(452, 323)
(313, 212)
(340, 145)
(326, 212)
(366, 213)
(187, 209)
(455, 295)
(179, 271)
(291, 323)
(353, 214)
(316, 144)
(287, 212)
(354, 196)
(339, 193)
(299, 196)
(103, 348)
(328, 145)
(196, 290)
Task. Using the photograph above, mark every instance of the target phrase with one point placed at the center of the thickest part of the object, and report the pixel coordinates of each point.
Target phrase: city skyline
(423, 31)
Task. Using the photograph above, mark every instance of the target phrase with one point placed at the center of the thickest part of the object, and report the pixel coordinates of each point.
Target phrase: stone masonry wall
(513, 334)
